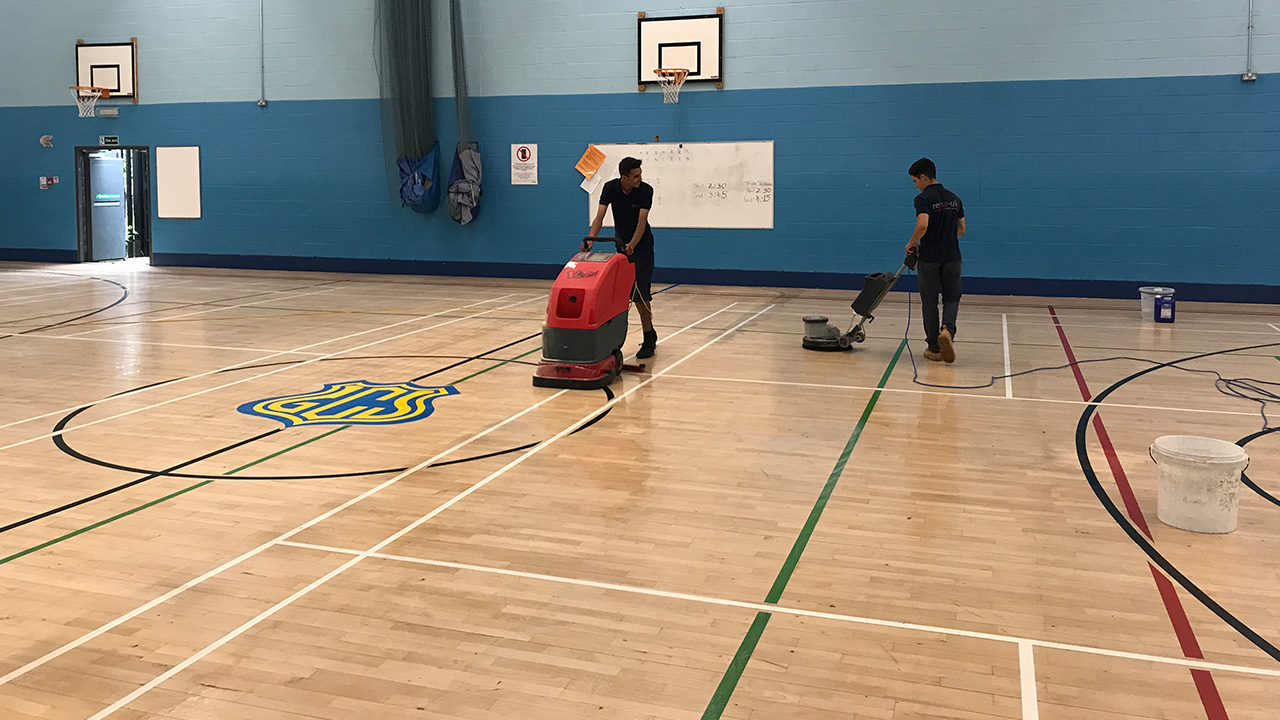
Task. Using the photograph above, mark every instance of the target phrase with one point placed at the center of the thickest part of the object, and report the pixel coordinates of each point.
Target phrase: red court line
(1205, 686)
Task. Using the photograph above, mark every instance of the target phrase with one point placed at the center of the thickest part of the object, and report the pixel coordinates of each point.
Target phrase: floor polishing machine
(587, 321)
(820, 334)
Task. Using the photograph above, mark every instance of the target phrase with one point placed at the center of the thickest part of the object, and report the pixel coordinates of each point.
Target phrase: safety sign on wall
(524, 164)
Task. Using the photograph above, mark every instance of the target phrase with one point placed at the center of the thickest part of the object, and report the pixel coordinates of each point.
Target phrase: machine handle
(909, 263)
(617, 244)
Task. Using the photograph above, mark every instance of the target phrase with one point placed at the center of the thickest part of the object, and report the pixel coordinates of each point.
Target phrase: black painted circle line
(59, 440)
(1244, 478)
(1082, 453)
(123, 296)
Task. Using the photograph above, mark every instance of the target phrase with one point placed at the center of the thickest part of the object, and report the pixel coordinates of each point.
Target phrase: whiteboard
(178, 182)
(697, 185)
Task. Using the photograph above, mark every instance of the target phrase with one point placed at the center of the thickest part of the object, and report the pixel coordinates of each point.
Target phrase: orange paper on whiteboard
(591, 161)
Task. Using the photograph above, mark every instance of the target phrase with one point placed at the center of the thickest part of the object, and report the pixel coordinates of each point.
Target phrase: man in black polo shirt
(939, 225)
(632, 198)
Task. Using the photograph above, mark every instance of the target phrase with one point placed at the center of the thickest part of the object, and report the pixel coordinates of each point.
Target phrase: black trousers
(938, 278)
(642, 292)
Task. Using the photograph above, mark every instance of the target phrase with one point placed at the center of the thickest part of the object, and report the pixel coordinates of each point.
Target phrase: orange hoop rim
(102, 92)
(672, 74)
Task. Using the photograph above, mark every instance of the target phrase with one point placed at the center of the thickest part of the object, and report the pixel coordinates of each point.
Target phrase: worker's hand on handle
(630, 247)
(587, 242)
(913, 247)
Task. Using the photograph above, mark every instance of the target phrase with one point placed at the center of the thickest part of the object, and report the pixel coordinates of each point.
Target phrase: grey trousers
(935, 279)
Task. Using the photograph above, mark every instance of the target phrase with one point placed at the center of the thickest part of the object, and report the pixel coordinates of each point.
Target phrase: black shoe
(648, 345)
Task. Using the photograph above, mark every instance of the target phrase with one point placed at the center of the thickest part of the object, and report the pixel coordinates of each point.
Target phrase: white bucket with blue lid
(1148, 295)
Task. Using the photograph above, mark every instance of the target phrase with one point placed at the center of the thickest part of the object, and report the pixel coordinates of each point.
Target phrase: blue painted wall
(1116, 147)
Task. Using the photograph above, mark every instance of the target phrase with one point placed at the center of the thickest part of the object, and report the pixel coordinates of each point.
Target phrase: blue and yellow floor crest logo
(351, 403)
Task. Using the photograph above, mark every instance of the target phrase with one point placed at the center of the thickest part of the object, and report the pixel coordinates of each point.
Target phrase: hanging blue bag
(418, 187)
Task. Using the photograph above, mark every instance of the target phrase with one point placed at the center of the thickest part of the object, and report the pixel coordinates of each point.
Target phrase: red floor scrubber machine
(587, 321)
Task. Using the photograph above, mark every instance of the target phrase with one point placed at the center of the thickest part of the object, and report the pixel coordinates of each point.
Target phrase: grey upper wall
(208, 50)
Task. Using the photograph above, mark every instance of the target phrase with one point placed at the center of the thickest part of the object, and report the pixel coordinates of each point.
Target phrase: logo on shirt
(946, 205)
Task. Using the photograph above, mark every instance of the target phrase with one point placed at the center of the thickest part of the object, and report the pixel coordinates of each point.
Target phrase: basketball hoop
(671, 80)
(87, 96)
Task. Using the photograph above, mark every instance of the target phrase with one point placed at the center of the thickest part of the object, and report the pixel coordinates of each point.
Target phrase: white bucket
(1149, 294)
(1198, 482)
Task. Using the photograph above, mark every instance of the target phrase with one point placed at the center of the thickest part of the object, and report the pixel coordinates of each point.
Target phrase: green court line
(202, 483)
(504, 362)
(720, 699)
(100, 523)
(281, 452)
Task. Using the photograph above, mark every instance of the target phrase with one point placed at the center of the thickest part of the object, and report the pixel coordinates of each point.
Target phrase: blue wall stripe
(1154, 180)
(38, 255)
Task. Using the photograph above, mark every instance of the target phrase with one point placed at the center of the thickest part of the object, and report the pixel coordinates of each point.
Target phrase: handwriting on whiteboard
(711, 191)
(758, 191)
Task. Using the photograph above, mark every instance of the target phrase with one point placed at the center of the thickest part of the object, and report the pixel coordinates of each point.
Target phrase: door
(113, 208)
(108, 222)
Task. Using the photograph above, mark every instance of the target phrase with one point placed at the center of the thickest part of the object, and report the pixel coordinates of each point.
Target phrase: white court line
(260, 375)
(824, 386)
(196, 657)
(1027, 671)
(33, 286)
(1273, 327)
(270, 543)
(42, 298)
(59, 283)
(208, 310)
(1211, 325)
(785, 610)
(158, 344)
(1008, 381)
(320, 518)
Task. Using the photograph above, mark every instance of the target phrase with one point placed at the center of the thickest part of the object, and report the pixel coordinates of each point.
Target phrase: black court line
(132, 483)
(177, 305)
(62, 445)
(1082, 453)
(123, 296)
(1244, 478)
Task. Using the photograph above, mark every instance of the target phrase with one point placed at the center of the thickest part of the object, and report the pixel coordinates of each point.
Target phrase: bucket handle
(1153, 459)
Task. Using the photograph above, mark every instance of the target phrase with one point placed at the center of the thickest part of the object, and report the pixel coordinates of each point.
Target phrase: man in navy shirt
(939, 225)
(631, 199)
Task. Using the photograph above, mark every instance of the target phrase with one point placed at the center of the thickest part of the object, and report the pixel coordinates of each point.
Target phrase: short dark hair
(925, 167)
(627, 165)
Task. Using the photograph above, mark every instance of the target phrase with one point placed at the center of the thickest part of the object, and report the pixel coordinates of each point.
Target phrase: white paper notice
(524, 164)
(590, 184)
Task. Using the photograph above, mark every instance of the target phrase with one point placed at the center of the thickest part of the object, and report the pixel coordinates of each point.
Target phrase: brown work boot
(947, 346)
(931, 355)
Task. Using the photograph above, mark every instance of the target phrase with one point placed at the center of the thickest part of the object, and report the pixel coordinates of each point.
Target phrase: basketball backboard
(113, 66)
(695, 42)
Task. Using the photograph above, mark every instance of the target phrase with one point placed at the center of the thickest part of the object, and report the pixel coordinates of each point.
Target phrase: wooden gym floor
(749, 530)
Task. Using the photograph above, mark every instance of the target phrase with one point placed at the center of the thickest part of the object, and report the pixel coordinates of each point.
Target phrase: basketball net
(671, 80)
(87, 98)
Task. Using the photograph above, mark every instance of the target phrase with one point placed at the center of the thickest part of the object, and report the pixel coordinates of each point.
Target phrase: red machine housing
(586, 322)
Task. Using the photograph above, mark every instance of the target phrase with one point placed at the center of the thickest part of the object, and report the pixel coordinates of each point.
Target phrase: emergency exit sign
(109, 140)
